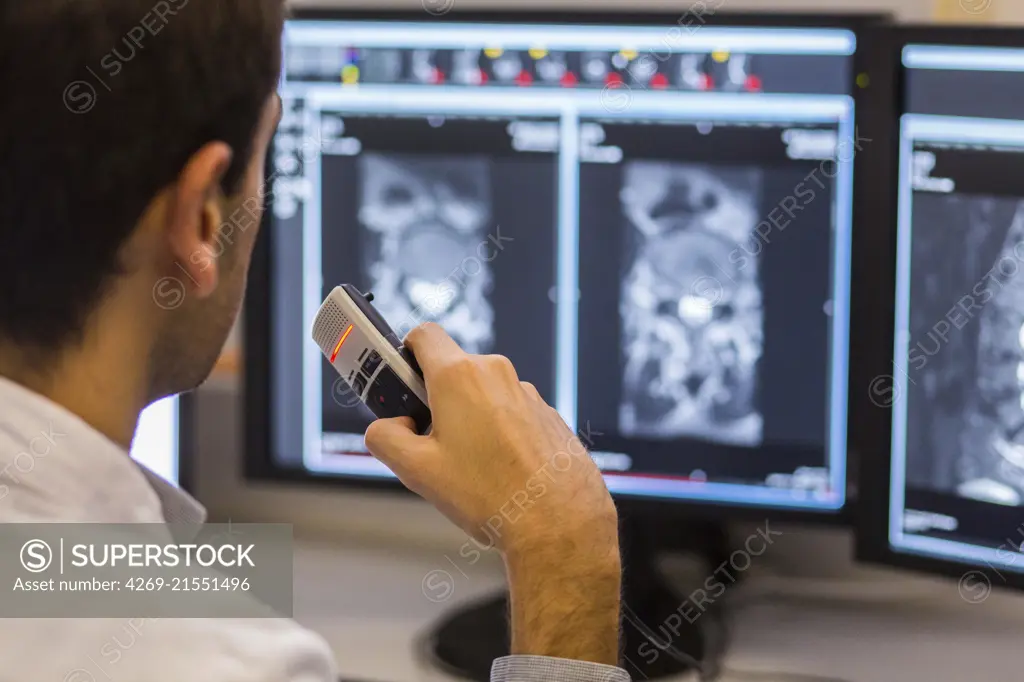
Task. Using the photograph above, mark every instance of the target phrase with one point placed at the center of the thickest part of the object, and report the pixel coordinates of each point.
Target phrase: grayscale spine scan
(991, 461)
(966, 351)
(691, 315)
(425, 218)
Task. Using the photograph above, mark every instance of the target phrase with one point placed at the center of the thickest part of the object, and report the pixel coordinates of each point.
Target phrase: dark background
(985, 94)
(978, 523)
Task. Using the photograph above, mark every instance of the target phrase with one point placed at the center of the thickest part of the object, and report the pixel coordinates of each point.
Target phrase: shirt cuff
(546, 669)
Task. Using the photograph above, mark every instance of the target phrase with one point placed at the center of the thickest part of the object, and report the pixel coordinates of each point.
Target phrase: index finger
(433, 348)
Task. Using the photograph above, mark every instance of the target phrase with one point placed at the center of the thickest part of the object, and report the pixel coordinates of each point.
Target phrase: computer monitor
(162, 440)
(944, 489)
(651, 216)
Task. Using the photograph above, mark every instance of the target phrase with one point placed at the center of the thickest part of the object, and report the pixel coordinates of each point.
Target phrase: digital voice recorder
(370, 357)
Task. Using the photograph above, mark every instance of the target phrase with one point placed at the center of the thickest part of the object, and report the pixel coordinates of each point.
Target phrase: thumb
(394, 442)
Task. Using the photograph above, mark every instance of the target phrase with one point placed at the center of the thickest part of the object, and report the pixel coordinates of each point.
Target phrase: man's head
(132, 150)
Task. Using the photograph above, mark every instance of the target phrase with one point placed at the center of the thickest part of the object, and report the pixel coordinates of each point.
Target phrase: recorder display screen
(653, 225)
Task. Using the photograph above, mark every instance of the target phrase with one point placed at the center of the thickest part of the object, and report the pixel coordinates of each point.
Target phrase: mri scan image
(982, 369)
(692, 321)
(966, 408)
(996, 415)
(426, 217)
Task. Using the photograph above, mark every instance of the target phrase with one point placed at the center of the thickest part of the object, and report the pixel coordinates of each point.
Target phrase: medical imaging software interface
(652, 223)
(958, 392)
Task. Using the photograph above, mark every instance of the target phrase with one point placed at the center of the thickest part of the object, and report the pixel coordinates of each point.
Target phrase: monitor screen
(156, 443)
(958, 413)
(652, 222)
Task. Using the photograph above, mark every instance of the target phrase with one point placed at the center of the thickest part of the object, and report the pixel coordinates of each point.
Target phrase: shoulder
(159, 650)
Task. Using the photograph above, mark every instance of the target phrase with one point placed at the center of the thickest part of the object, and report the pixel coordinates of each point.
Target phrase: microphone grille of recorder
(328, 326)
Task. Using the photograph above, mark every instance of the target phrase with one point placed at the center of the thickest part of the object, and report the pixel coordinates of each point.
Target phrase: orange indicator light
(344, 336)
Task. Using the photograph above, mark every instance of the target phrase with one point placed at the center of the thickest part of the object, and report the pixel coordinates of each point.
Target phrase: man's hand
(503, 466)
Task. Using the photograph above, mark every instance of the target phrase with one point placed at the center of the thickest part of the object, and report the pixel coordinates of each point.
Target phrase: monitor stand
(656, 641)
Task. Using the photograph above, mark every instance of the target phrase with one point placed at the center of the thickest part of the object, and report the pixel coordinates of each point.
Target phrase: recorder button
(390, 397)
(371, 364)
(359, 385)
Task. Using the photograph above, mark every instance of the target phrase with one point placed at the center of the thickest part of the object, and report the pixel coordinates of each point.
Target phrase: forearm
(565, 600)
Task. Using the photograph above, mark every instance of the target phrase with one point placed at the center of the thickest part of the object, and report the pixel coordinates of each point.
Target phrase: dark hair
(102, 102)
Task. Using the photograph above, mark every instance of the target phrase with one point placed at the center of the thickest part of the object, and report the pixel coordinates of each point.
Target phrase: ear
(195, 217)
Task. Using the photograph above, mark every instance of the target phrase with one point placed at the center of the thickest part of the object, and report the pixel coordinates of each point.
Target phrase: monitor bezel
(872, 518)
(258, 464)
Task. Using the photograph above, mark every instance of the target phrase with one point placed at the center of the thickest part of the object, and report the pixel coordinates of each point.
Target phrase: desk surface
(372, 603)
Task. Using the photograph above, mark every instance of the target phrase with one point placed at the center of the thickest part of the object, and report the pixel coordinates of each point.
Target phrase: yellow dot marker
(494, 52)
(720, 56)
(350, 75)
(538, 52)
